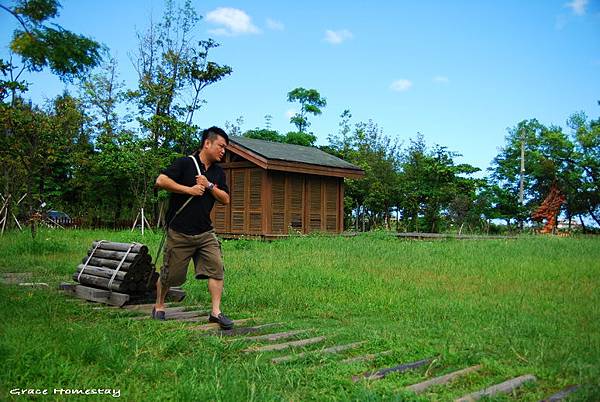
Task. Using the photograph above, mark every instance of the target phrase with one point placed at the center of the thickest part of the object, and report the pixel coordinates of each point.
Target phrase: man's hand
(196, 190)
(202, 180)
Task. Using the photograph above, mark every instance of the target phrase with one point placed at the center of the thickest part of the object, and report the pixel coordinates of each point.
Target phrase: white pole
(21, 199)
(148, 223)
(3, 224)
(134, 222)
(17, 221)
(142, 221)
(522, 172)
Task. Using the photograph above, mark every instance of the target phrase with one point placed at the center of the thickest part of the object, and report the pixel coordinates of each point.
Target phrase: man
(190, 234)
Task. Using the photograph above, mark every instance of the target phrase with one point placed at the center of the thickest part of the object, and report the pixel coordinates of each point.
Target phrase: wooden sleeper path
(330, 350)
(242, 330)
(376, 375)
(368, 357)
(286, 345)
(179, 314)
(275, 337)
(444, 379)
(561, 395)
(505, 387)
(214, 325)
(182, 313)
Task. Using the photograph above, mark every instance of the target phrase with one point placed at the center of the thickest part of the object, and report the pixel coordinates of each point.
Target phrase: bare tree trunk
(582, 224)
(591, 211)
(363, 218)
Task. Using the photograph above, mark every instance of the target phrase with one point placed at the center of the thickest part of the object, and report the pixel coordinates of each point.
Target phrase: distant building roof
(271, 152)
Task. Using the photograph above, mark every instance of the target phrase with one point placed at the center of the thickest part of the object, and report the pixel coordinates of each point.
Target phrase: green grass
(525, 306)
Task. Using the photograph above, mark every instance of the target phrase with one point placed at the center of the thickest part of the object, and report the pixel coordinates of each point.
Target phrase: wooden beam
(286, 345)
(561, 395)
(236, 165)
(330, 350)
(444, 379)
(340, 212)
(247, 154)
(505, 387)
(96, 295)
(177, 315)
(147, 308)
(376, 375)
(266, 203)
(275, 337)
(243, 330)
(368, 357)
(214, 325)
(328, 171)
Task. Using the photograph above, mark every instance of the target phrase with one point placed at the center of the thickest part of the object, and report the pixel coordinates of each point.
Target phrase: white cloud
(401, 85)
(441, 79)
(578, 6)
(275, 25)
(233, 22)
(290, 113)
(337, 37)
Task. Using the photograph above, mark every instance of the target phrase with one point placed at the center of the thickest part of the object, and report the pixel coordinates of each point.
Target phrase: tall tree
(550, 159)
(430, 182)
(103, 94)
(310, 101)
(366, 146)
(41, 45)
(586, 137)
(173, 70)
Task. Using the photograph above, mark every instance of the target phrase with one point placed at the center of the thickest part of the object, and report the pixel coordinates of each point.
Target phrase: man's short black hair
(212, 133)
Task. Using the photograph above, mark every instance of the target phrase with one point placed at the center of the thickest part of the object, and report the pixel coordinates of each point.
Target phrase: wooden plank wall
(305, 203)
(267, 202)
(246, 201)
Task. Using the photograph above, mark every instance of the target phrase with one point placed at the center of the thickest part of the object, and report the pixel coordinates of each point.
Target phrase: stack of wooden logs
(132, 277)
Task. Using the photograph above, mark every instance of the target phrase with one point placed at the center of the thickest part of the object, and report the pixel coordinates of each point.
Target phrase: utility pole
(522, 172)
(522, 176)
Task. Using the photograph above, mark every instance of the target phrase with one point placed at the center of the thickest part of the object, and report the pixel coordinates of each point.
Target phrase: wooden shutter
(294, 200)
(278, 203)
(314, 204)
(238, 199)
(331, 205)
(255, 200)
(220, 217)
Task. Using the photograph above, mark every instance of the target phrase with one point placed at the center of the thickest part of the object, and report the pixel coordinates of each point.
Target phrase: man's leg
(161, 293)
(177, 254)
(209, 265)
(215, 288)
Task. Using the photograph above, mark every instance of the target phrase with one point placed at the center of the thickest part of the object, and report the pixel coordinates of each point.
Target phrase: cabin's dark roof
(292, 153)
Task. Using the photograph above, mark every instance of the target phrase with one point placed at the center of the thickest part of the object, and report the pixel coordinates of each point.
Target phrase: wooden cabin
(277, 189)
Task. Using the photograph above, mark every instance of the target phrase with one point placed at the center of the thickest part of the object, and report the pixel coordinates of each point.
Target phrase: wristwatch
(211, 186)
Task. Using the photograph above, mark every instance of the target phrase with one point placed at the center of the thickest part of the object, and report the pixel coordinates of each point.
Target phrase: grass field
(524, 306)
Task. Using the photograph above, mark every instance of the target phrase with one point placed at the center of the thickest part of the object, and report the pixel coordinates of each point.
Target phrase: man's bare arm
(220, 195)
(166, 183)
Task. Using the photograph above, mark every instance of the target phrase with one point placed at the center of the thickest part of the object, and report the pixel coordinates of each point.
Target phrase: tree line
(96, 153)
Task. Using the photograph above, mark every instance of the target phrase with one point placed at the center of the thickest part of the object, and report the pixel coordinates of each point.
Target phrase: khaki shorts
(204, 249)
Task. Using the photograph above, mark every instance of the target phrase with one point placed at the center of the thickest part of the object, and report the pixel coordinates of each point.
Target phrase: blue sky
(458, 72)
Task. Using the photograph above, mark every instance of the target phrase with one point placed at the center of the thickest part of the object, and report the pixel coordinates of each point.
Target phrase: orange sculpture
(549, 209)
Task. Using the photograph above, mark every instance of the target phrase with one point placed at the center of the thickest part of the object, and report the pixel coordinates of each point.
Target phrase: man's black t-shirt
(195, 217)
